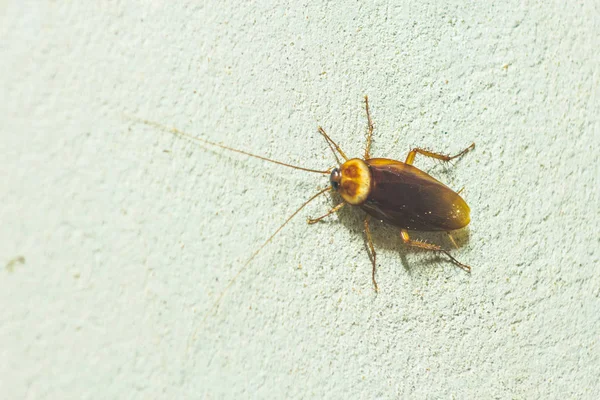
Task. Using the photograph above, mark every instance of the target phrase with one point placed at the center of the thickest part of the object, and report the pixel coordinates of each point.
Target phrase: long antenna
(200, 140)
(231, 282)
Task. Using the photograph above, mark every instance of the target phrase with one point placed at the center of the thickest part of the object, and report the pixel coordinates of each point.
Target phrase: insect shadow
(386, 237)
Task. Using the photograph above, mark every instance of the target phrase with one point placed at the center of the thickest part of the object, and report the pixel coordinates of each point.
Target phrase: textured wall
(116, 237)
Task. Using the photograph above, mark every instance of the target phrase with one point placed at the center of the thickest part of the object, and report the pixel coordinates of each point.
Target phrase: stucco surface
(117, 237)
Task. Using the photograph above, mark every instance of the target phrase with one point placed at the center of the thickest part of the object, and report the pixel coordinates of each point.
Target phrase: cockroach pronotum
(391, 191)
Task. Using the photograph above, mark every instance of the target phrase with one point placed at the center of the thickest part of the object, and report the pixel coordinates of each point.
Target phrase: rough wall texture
(117, 237)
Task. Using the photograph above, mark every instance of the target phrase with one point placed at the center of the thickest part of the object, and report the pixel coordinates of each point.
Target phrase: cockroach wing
(409, 198)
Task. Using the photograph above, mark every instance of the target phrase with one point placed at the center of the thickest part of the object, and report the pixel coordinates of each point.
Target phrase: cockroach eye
(335, 178)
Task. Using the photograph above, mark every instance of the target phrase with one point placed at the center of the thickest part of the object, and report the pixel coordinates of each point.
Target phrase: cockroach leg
(460, 191)
(332, 143)
(370, 133)
(333, 210)
(373, 253)
(452, 240)
(411, 155)
(426, 246)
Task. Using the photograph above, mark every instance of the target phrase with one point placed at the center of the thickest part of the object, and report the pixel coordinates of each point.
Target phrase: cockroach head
(353, 181)
(335, 178)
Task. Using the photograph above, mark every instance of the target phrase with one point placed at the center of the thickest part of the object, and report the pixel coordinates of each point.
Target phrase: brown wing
(407, 197)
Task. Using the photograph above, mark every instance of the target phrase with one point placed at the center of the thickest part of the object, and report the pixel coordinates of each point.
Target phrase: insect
(391, 191)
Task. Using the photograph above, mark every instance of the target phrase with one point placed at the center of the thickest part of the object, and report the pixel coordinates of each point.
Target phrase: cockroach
(391, 191)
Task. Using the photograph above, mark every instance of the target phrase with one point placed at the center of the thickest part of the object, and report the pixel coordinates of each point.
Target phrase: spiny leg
(333, 210)
(370, 133)
(426, 246)
(411, 155)
(332, 143)
(373, 253)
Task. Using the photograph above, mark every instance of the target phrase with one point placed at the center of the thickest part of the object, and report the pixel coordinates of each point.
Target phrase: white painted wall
(128, 234)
